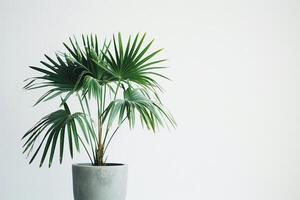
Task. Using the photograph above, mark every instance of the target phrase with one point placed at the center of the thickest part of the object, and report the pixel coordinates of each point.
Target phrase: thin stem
(85, 148)
(113, 136)
(99, 122)
(104, 97)
(99, 103)
(89, 113)
(107, 128)
(105, 136)
(117, 90)
(89, 127)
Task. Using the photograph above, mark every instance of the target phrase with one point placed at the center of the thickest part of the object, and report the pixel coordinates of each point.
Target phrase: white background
(235, 95)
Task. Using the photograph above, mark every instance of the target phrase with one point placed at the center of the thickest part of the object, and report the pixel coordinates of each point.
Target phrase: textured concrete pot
(99, 182)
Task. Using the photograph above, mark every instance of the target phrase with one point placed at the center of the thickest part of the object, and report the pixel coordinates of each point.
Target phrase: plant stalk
(113, 134)
(100, 146)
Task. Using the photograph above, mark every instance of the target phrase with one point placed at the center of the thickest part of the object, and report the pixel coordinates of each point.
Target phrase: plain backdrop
(235, 94)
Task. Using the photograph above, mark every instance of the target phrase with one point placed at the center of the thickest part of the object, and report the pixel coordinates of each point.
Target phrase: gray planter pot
(99, 182)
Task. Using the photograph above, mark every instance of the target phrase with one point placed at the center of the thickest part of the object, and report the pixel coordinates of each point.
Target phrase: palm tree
(120, 77)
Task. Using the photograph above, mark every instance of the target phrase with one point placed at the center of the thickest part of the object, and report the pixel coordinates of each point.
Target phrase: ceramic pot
(99, 182)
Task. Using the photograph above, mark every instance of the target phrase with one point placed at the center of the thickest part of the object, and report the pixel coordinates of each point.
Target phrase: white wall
(235, 94)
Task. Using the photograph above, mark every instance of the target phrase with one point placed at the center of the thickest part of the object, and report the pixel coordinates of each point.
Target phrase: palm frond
(134, 63)
(56, 125)
(151, 113)
(67, 72)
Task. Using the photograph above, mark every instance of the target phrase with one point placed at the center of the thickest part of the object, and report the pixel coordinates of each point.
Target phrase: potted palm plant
(117, 81)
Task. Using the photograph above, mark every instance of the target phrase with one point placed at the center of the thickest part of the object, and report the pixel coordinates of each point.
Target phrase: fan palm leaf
(133, 63)
(152, 114)
(56, 125)
(67, 73)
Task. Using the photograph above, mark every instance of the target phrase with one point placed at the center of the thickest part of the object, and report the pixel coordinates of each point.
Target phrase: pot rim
(89, 165)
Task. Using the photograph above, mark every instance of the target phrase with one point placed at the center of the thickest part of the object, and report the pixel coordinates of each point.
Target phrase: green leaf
(55, 126)
(70, 139)
(62, 143)
(151, 113)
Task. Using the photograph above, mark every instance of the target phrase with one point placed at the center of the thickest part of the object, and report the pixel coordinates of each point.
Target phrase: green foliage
(56, 126)
(120, 76)
(151, 112)
(132, 63)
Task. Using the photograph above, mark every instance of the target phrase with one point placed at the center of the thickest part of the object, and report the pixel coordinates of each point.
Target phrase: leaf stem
(91, 128)
(85, 149)
(117, 89)
(113, 136)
